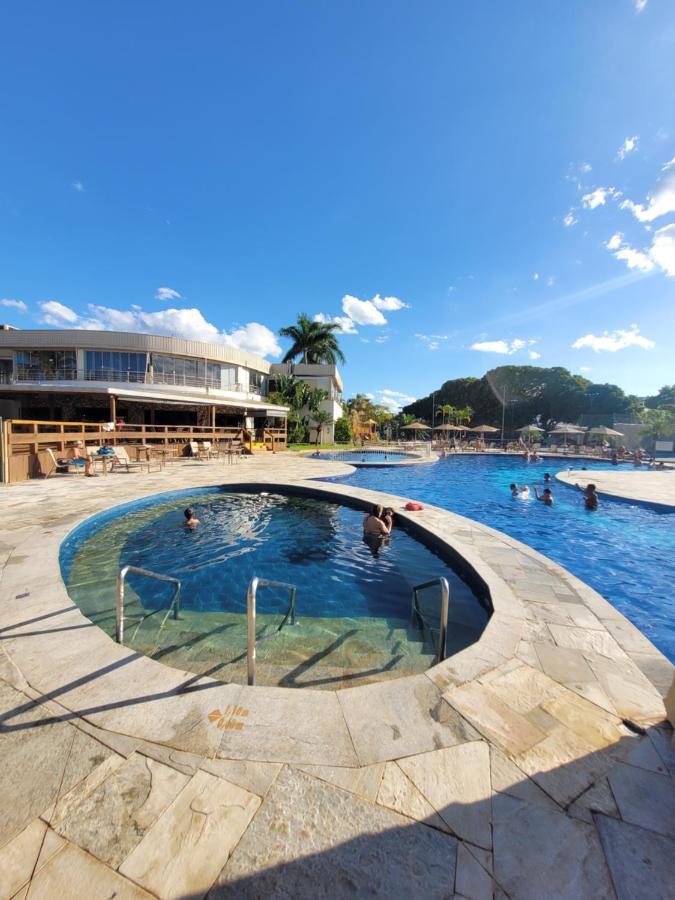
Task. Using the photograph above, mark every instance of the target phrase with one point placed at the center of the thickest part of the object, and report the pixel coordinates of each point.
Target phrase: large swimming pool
(626, 551)
(353, 598)
(367, 457)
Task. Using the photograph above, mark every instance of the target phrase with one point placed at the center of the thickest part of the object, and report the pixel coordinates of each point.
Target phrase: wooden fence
(25, 440)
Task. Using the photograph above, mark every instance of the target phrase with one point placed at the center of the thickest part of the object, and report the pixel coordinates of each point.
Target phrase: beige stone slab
(541, 853)
(72, 799)
(467, 665)
(644, 798)
(632, 695)
(493, 718)
(183, 852)
(593, 725)
(111, 820)
(471, 880)
(642, 862)
(593, 692)
(524, 688)
(563, 765)
(26, 854)
(256, 777)
(585, 639)
(397, 792)
(507, 778)
(187, 763)
(365, 781)
(282, 725)
(597, 799)
(563, 664)
(456, 781)
(311, 839)
(399, 718)
(73, 874)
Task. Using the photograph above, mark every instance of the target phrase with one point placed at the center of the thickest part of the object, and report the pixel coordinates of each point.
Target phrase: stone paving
(654, 487)
(536, 762)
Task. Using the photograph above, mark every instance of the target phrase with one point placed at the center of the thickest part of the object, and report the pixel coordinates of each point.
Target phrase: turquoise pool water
(364, 457)
(353, 598)
(626, 551)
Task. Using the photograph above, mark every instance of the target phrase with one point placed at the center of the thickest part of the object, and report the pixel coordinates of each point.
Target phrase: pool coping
(60, 657)
(570, 478)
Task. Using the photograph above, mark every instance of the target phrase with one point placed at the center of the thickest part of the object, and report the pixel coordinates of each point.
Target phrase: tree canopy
(314, 342)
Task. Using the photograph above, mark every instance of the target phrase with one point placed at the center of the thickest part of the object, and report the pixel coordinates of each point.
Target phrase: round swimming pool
(367, 457)
(353, 598)
(626, 551)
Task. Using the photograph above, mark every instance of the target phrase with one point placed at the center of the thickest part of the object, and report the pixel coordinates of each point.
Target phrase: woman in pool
(376, 522)
(524, 492)
(514, 490)
(590, 496)
(191, 521)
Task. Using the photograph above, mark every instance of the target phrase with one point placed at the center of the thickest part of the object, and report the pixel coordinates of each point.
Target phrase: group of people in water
(522, 492)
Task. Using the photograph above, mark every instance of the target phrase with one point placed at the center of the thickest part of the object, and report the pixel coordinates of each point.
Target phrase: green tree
(321, 418)
(664, 399)
(314, 342)
(343, 430)
(659, 424)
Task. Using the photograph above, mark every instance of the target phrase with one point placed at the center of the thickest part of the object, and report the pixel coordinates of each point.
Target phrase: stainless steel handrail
(445, 607)
(119, 610)
(251, 597)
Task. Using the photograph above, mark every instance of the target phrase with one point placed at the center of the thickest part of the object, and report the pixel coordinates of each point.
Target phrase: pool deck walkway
(535, 763)
(657, 488)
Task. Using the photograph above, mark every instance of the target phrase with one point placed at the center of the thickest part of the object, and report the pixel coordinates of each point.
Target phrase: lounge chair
(120, 459)
(60, 464)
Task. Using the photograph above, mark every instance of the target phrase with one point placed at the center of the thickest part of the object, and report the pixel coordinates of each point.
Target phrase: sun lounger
(61, 464)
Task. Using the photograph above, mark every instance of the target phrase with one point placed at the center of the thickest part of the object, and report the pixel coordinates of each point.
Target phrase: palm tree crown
(315, 342)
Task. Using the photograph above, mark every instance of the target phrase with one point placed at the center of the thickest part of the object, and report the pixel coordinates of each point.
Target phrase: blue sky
(464, 184)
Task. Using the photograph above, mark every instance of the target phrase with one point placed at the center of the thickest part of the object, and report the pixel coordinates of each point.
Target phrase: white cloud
(615, 241)
(167, 293)
(662, 250)
(55, 313)
(570, 219)
(599, 197)
(610, 342)
(585, 369)
(77, 186)
(585, 168)
(628, 146)
(393, 400)
(15, 304)
(345, 323)
(660, 201)
(536, 276)
(634, 259)
(550, 281)
(382, 339)
(189, 324)
(433, 341)
(389, 304)
(363, 312)
(534, 355)
(639, 5)
(505, 347)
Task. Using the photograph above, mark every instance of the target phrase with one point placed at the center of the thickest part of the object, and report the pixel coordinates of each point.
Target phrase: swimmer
(615, 459)
(374, 522)
(524, 492)
(547, 478)
(590, 496)
(190, 520)
(546, 496)
(388, 518)
(514, 490)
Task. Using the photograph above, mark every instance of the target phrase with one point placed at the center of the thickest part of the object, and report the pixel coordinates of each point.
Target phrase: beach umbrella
(415, 426)
(484, 429)
(370, 422)
(448, 428)
(605, 431)
(567, 429)
(530, 429)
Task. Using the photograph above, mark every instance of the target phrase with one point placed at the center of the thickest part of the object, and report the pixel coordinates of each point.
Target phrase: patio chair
(196, 452)
(120, 459)
(207, 450)
(60, 465)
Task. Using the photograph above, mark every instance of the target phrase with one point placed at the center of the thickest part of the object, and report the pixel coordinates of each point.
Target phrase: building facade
(325, 377)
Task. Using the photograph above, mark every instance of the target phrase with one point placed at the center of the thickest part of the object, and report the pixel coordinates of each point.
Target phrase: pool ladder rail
(251, 599)
(174, 606)
(442, 628)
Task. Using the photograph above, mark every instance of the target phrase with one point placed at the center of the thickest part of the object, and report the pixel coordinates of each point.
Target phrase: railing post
(250, 615)
(119, 608)
(293, 606)
(443, 630)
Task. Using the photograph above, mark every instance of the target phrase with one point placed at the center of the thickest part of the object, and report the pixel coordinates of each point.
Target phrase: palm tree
(321, 418)
(315, 342)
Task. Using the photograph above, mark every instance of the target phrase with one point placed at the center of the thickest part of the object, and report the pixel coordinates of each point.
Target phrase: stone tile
(662, 739)
(493, 718)
(597, 799)
(26, 854)
(632, 694)
(72, 799)
(524, 688)
(471, 880)
(111, 820)
(282, 725)
(586, 639)
(593, 725)
(397, 792)
(72, 874)
(309, 834)
(539, 852)
(642, 863)
(365, 782)
(643, 755)
(507, 778)
(255, 777)
(187, 763)
(655, 667)
(456, 781)
(187, 847)
(399, 718)
(563, 664)
(591, 691)
(563, 765)
(644, 798)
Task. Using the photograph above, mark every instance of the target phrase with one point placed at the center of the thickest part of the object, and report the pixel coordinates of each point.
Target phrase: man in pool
(590, 496)
(547, 477)
(376, 523)
(546, 496)
(514, 490)
(191, 521)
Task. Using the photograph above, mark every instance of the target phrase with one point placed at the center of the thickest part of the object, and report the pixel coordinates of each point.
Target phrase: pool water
(625, 551)
(365, 457)
(353, 599)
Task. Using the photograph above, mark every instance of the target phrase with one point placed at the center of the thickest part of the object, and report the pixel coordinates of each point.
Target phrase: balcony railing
(115, 376)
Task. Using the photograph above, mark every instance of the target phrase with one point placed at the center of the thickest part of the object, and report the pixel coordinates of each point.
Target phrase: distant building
(326, 377)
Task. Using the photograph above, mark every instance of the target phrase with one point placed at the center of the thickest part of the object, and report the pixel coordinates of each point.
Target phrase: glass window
(111, 365)
(47, 365)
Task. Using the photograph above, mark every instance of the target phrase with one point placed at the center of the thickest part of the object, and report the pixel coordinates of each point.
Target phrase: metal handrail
(119, 610)
(251, 597)
(445, 607)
